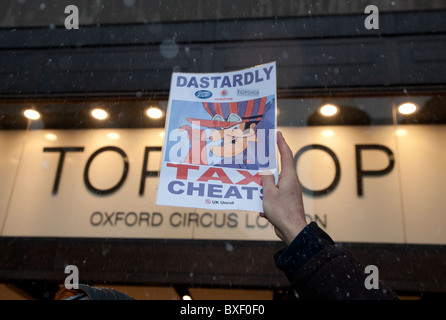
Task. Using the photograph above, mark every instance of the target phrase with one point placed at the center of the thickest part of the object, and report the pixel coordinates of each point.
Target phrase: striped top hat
(228, 114)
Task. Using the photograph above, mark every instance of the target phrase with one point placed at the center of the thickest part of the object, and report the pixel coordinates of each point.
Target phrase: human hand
(282, 203)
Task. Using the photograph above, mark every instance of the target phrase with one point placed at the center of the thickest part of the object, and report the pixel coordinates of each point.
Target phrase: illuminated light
(99, 114)
(407, 108)
(186, 297)
(154, 113)
(31, 114)
(329, 110)
(161, 134)
(401, 132)
(327, 133)
(113, 135)
(50, 136)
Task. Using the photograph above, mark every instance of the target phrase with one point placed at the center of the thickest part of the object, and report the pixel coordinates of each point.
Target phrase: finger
(286, 155)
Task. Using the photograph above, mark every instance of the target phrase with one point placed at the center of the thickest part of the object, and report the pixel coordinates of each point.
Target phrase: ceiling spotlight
(99, 114)
(328, 110)
(407, 108)
(31, 114)
(154, 112)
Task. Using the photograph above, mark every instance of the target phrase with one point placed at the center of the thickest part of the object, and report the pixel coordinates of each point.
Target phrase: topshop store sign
(361, 184)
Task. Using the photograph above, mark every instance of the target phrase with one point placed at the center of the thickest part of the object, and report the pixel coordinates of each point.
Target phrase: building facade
(81, 191)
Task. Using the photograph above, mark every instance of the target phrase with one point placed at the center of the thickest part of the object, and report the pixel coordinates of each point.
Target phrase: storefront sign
(361, 184)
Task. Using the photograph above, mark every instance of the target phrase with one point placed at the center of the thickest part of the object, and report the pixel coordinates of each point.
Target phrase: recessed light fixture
(99, 114)
(328, 110)
(154, 112)
(31, 114)
(407, 108)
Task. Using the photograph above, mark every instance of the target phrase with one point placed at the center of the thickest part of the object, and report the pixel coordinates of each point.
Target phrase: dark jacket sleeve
(317, 268)
(86, 292)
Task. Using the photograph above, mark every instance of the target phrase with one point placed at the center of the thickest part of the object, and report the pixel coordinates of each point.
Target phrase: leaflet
(220, 135)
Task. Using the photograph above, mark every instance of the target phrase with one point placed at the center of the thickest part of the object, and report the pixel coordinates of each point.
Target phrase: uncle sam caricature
(227, 134)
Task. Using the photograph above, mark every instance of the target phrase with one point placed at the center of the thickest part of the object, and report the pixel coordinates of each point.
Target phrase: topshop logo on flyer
(248, 92)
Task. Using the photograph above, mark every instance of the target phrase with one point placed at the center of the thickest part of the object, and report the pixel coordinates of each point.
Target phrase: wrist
(304, 246)
(293, 232)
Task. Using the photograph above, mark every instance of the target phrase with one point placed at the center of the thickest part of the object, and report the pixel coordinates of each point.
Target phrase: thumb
(268, 182)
